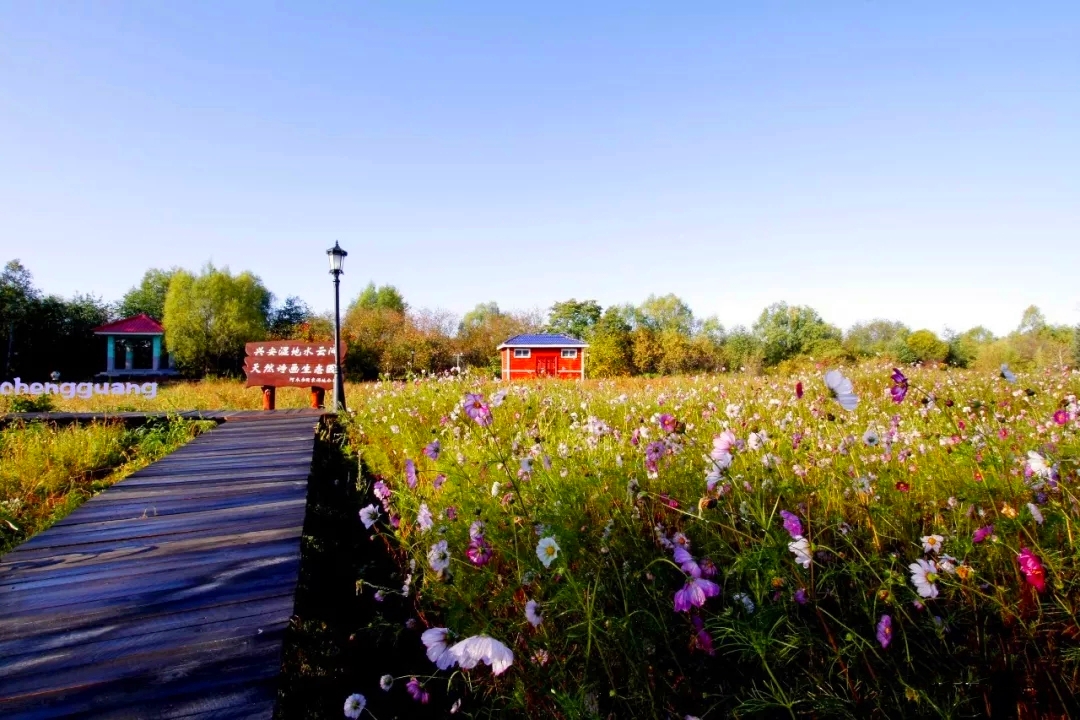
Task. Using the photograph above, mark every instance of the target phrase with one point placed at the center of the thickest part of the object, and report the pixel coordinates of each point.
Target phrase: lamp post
(337, 260)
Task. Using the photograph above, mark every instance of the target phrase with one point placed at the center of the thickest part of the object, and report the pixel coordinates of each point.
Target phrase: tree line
(209, 315)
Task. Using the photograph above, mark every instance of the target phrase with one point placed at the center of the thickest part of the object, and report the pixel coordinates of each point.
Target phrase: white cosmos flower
(386, 682)
(923, 577)
(369, 515)
(547, 550)
(532, 613)
(354, 705)
(495, 489)
(932, 543)
(481, 648)
(1037, 464)
(801, 548)
(1035, 512)
(434, 640)
(439, 556)
(423, 518)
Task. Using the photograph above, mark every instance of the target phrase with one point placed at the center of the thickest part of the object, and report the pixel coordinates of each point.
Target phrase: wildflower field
(887, 544)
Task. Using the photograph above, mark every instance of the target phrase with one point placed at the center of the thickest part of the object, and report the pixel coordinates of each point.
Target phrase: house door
(545, 366)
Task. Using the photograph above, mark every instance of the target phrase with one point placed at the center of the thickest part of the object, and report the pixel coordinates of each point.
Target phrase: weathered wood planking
(137, 418)
(167, 595)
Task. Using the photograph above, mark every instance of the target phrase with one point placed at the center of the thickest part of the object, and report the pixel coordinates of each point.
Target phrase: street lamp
(337, 260)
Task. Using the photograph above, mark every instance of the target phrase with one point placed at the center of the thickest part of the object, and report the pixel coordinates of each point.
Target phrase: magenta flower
(792, 524)
(686, 562)
(1032, 568)
(694, 594)
(982, 533)
(702, 639)
(900, 386)
(479, 551)
(800, 596)
(476, 409)
(432, 450)
(653, 452)
(1061, 417)
(410, 473)
(884, 631)
(419, 694)
(382, 491)
(798, 390)
(668, 422)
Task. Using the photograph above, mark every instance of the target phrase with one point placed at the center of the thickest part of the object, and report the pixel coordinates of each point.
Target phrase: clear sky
(918, 161)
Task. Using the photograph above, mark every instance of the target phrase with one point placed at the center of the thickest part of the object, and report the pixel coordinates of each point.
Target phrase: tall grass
(47, 471)
(789, 620)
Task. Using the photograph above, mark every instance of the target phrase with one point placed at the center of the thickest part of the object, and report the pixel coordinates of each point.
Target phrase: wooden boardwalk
(168, 595)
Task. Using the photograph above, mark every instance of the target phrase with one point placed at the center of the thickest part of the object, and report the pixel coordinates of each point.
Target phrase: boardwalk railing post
(268, 397)
(318, 397)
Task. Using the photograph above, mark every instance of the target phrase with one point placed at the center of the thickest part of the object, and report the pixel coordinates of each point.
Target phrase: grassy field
(46, 471)
(715, 546)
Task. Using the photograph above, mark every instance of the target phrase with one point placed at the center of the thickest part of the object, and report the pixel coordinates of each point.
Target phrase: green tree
(385, 297)
(209, 318)
(666, 312)
(573, 318)
(17, 297)
(148, 296)
(1076, 346)
(786, 331)
(744, 350)
(610, 353)
(874, 338)
(1033, 322)
(925, 346)
(964, 347)
(289, 319)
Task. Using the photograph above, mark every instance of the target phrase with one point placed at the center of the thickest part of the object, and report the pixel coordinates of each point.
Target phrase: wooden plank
(113, 628)
(168, 594)
(28, 564)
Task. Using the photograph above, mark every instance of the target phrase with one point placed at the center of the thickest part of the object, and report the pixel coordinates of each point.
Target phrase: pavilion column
(157, 352)
(129, 356)
(110, 356)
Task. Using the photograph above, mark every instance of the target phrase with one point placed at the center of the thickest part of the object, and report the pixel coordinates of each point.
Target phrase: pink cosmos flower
(694, 593)
(686, 561)
(1061, 417)
(792, 524)
(1032, 568)
(884, 631)
(479, 551)
(476, 409)
(410, 473)
(439, 480)
(702, 639)
(432, 450)
(900, 386)
(417, 691)
(982, 533)
(722, 444)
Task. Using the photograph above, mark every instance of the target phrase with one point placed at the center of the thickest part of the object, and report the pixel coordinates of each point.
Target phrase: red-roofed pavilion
(139, 327)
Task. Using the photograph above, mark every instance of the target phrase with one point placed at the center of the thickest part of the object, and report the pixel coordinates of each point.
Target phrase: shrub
(925, 346)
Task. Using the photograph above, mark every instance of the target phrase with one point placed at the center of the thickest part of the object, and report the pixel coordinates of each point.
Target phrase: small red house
(543, 355)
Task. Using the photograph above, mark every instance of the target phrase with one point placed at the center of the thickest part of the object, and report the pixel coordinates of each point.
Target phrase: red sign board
(287, 363)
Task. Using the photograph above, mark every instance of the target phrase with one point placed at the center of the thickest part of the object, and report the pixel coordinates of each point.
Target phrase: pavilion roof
(141, 324)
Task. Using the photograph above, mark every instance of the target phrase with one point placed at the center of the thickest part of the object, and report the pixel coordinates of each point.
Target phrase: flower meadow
(859, 542)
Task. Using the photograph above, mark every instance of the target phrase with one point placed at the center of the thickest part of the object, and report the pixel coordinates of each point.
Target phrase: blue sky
(901, 160)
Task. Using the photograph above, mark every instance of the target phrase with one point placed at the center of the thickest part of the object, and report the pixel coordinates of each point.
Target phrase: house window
(522, 352)
(571, 353)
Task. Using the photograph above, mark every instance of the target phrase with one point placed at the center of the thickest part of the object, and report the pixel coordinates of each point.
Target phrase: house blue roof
(543, 340)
